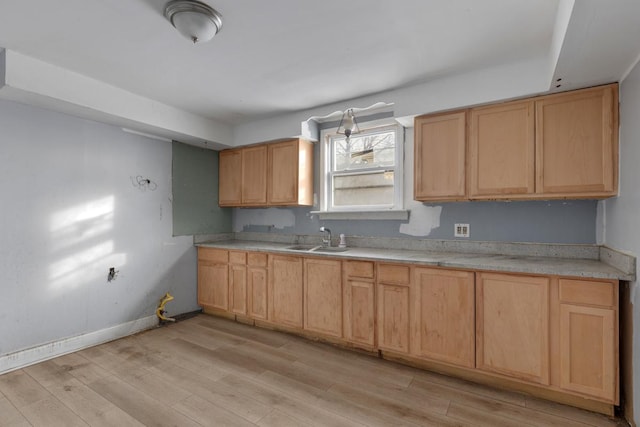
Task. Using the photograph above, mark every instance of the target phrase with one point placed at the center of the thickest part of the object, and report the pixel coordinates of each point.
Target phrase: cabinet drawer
(589, 292)
(213, 255)
(257, 259)
(238, 257)
(362, 269)
(393, 274)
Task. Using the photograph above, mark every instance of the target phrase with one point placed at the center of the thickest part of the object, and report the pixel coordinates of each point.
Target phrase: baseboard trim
(20, 359)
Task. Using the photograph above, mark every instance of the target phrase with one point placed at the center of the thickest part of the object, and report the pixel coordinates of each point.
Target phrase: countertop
(467, 261)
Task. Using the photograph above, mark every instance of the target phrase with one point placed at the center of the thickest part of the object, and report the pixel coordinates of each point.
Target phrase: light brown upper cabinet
(439, 157)
(230, 178)
(502, 151)
(254, 174)
(577, 143)
(274, 174)
(549, 147)
(290, 173)
(242, 177)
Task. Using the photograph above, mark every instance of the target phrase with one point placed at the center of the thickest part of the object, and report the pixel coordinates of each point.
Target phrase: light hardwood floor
(207, 371)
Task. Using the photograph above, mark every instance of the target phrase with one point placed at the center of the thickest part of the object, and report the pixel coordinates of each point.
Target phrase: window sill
(374, 215)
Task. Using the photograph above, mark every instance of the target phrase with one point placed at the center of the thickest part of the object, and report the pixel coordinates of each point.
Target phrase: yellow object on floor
(160, 311)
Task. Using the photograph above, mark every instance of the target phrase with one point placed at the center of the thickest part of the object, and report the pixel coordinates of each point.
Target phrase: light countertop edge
(467, 261)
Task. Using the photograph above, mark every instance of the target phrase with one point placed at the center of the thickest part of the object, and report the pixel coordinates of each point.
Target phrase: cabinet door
(283, 173)
(213, 285)
(238, 288)
(257, 292)
(439, 157)
(358, 302)
(359, 311)
(254, 175)
(512, 326)
(443, 317)
(285, 290)
(588, 350)
(393, 317)
(502, 151)
(230, 178)
(323, 296)
(392, 299)
(577, 143)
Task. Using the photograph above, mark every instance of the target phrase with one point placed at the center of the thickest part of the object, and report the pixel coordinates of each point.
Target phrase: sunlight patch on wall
(78, 234)
(84, 222)
(422, 221)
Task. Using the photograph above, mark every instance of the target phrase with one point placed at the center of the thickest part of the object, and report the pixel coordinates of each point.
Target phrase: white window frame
(395, 211)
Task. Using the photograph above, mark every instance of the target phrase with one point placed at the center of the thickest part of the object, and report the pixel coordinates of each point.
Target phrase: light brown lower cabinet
(443, 316)
(213, 278)
(392, 293)
(512, 326)
(323, 296)
(257, 286)
(238, 282)
(359, 302)
(285, 290)
(547, 333)
(589, 337)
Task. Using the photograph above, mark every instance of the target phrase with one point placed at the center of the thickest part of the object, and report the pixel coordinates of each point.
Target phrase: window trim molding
(366, 212)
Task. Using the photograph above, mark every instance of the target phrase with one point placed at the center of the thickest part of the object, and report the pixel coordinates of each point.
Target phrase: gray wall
(195, 192)
(74, 205)
(622, 213)
(572, 221)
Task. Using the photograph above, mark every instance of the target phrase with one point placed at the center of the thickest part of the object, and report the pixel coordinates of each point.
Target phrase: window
(364, 174)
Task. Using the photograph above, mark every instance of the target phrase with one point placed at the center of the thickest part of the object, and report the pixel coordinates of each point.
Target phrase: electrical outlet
(461, 230)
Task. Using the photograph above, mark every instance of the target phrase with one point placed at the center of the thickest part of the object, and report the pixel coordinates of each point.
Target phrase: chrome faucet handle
(326, 241)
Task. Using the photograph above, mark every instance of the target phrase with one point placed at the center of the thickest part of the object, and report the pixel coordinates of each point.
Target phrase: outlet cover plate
(461, 230)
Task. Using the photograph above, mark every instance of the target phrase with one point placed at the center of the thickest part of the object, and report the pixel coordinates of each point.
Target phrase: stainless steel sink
(316, 248)
(304, 248)
(330, 249)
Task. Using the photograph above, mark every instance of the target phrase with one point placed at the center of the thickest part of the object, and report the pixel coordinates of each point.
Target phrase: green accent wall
(195, 192)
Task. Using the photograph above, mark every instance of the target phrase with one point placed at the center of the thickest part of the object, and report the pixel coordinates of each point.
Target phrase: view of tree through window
(362, 170)
(367, 151)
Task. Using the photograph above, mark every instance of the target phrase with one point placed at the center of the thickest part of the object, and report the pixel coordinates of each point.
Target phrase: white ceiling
(279, 56)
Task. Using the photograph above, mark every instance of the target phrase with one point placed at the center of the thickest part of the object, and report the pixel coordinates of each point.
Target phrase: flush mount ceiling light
(193, 19)
(348, 124)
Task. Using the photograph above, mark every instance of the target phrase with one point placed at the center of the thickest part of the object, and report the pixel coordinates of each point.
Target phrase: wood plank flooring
(207, 371)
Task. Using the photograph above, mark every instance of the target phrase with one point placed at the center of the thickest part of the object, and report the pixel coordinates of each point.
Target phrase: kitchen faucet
(326, 238)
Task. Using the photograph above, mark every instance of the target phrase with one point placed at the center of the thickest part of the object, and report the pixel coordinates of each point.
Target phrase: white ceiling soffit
(123, 63)
(601, 44)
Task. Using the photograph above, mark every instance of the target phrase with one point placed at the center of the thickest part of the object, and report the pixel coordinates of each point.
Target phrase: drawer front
(256, 259)
(589, 292)
(388, 273)
(362, 269)
(213, 255)
(238, 257)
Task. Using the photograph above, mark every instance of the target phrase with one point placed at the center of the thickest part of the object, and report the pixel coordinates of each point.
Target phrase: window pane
(368, 189)
(367, 151)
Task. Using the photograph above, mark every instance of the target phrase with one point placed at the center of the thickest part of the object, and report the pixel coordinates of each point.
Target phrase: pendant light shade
(193, 19)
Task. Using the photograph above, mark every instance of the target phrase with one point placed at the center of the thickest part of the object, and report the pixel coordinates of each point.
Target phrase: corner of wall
(601, 223)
